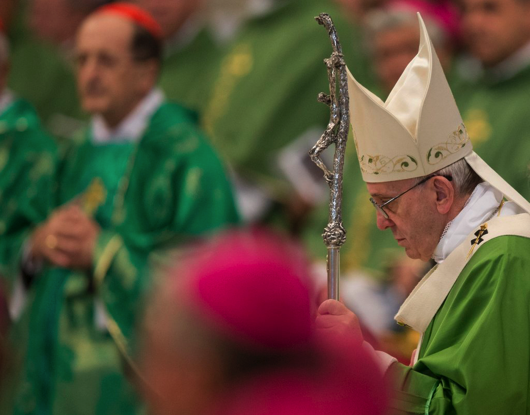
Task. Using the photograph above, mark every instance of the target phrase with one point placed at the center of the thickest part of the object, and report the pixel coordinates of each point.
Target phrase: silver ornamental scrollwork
(458, 140)
(334, 234)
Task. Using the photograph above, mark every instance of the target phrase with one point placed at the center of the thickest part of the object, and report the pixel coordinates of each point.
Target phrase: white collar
(6, 98)
(133, 126)
(481, 206)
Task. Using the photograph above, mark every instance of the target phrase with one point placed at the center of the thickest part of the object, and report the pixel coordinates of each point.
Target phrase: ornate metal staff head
(337, 133)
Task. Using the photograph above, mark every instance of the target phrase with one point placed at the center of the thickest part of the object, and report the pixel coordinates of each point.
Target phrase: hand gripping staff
(336, 132)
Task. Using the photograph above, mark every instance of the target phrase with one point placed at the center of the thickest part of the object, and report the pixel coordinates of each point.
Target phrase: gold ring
(51, 241)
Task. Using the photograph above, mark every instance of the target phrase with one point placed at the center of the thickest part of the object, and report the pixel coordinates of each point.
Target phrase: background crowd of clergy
(251, 71)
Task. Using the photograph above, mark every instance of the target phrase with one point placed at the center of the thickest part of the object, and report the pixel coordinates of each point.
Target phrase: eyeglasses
(379, 207)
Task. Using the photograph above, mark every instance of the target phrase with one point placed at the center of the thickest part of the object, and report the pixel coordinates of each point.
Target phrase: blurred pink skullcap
(254, 286)
(345, 381)
(443, 13)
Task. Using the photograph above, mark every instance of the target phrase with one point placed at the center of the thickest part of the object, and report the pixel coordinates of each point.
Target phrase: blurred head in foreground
(230, 331)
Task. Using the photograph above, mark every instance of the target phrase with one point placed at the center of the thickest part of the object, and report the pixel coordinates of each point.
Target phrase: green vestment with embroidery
(474, 356)
(167, 188)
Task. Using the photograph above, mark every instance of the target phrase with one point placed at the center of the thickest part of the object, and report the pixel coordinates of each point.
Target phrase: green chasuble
(496, 116)
(169, 187)
(475, 353)
(28, 157)
(265, 92)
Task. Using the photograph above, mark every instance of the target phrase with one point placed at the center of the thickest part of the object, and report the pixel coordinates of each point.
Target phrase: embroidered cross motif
(474, 242)
(479, 234)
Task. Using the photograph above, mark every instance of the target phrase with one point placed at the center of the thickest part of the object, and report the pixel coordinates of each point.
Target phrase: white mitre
(418, 130)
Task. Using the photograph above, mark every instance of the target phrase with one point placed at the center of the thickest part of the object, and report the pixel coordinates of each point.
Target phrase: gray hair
(464, 178)
(381, 20)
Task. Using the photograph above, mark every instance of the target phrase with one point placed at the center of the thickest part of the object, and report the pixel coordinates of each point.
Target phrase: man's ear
(445, 194)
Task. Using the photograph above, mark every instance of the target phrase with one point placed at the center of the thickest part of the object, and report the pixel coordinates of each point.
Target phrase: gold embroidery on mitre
(385, 165)
(456, 141)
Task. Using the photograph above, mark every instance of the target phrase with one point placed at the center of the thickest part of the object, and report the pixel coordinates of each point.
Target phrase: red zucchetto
(135, 14)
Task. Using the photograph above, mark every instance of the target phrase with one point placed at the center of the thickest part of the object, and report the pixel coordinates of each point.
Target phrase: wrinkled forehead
(389, 188)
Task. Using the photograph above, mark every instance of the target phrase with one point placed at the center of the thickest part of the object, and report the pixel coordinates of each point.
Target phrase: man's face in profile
(412, 218)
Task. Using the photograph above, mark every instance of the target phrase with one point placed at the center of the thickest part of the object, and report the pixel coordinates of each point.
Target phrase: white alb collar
(133, 126)
(6, 98)
(481, 206)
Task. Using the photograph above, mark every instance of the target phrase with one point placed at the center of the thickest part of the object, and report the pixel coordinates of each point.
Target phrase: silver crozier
(336, 132)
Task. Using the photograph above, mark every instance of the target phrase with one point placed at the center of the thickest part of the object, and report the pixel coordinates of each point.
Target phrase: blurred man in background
(494, 100)
(392, 36)
(263, 109)
(142, 178)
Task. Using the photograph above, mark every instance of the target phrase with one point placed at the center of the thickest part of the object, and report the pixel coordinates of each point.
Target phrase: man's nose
(382, 222)
(89, 70)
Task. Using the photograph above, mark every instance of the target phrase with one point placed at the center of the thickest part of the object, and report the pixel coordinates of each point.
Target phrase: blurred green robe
(167, 188)
(495, 112)
(28, 158)
(474, 356)
(265, 91)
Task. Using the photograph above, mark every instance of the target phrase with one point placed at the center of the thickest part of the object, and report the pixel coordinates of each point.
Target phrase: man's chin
(412, 253)
(94, 106)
